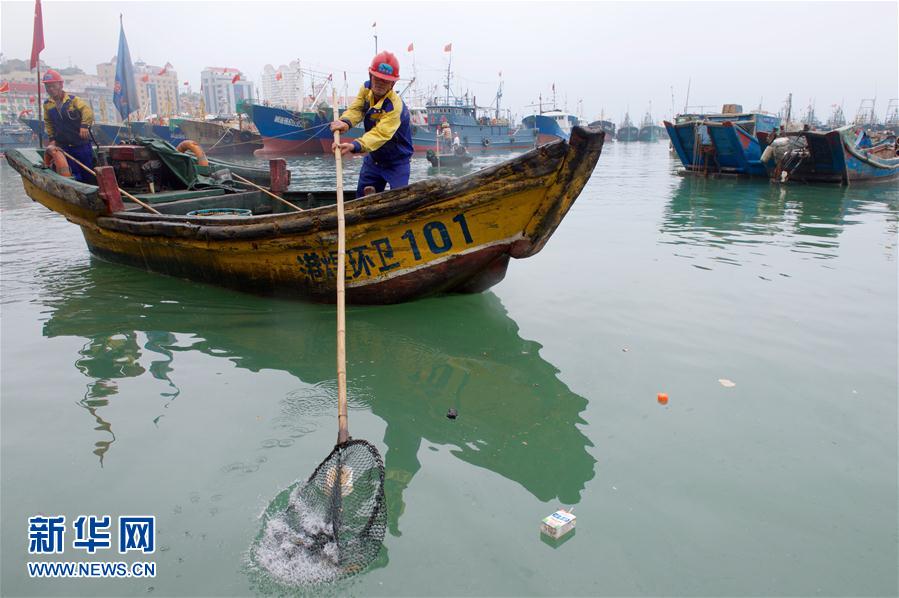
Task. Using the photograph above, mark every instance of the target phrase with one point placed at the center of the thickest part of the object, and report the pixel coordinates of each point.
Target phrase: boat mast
(448, 66)
(687, 99)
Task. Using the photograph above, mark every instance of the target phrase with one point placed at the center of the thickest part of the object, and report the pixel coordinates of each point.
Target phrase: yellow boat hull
(439, 235)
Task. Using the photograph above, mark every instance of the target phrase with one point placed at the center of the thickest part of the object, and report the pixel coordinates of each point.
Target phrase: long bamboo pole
(266, 191)
(343, 433)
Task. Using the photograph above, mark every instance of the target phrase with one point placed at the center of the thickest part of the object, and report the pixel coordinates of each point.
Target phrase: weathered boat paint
(837, 156)
(437, 235)
(721, 146)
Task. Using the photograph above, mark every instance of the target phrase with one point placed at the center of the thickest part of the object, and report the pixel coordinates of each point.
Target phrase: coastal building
(19, 99)
(157, 88)
(283, 86)
(223, 88)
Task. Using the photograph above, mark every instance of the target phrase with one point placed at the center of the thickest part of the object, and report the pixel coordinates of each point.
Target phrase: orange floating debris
(662, 398)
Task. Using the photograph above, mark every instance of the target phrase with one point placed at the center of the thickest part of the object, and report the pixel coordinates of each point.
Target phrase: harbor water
(767, 314)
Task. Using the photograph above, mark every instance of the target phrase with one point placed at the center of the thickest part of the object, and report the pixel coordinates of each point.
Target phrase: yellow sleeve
(48, 126)
(87, 115)
(353, 114)
(383, 132)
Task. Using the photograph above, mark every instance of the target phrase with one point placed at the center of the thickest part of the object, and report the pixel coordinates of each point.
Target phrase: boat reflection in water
(805, 219)
(408, 365)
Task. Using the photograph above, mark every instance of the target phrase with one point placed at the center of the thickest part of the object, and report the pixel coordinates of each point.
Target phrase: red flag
(410, 48)
(448, 47)
(4, 87)
(278, 76)
(187, 82)
(37, 42)
(145, 78)
(236, 78)
(162, 72)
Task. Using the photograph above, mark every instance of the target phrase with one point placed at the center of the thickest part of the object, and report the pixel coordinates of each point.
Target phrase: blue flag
(124, 93)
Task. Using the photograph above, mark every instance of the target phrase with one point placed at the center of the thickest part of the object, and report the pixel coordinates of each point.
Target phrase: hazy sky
(611, 55)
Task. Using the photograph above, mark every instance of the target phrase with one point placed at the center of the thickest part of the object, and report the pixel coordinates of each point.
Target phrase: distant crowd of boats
(730, 142)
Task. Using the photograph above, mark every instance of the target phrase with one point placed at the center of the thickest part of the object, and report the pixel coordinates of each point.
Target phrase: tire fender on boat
(54, 158)
(485, 141)
(189, 145)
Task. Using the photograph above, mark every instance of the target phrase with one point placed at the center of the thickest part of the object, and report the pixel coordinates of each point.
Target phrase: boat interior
(173, 188)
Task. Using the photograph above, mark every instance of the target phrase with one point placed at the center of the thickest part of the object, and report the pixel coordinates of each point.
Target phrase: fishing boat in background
(550, 125)
(284, 131)
(457, 158)
(627, 131)
(112, 133)
(837, 118)
(220, 136)
(845, 155)
(729, 142)
(441, 234)
(16, 135)
(649, 131)
(480, 128)
(607, 126)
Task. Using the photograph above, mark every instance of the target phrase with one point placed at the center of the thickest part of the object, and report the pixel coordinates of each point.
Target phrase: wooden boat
(220, 137)
(454, 159)
(728, 144)
(845, 155)
(437, 235)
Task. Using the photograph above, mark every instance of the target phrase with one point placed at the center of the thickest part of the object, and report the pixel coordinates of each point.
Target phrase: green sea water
(767, 314)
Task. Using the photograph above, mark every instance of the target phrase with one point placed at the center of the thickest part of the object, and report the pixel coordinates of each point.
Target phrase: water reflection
(808, 219)
(408, 364)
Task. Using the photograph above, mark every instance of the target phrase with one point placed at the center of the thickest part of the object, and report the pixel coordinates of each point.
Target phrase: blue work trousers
(380, 175)
(85, 154)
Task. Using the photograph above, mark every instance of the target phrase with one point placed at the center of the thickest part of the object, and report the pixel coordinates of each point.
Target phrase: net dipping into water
(334, 524)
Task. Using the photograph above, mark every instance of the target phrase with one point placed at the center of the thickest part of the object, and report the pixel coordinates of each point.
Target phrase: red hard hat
(385, 66)
(52, 76)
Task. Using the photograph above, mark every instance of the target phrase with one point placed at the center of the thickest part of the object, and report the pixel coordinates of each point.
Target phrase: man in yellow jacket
(387, 141)
(67, 121)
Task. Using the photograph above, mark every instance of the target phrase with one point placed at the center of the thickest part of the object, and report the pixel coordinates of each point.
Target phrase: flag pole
(37, 44)
(40, 108)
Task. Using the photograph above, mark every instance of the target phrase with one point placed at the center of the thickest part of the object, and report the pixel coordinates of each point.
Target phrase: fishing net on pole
(334, 523)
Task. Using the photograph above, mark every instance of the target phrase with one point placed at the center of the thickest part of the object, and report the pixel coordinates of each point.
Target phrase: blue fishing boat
(627, 131)
(16, 135)
(725, 143)
(649, 131)
(112, 133)
(286, 131)
(476, 131)
(845, 155)
(550, 125)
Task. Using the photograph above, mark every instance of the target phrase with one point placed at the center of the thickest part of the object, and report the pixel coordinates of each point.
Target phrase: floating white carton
(558, 524)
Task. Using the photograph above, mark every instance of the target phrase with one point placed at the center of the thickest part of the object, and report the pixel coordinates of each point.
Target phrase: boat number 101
(379, 256)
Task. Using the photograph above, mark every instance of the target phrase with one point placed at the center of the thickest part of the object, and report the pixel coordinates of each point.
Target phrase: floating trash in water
(558, 524)
(726, 383)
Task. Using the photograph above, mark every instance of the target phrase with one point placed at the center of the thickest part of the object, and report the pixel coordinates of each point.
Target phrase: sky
(611, 56)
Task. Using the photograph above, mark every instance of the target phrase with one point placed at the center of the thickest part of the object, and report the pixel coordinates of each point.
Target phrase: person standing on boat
(67, 120)
(387, 141)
